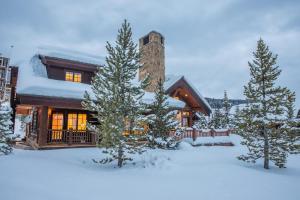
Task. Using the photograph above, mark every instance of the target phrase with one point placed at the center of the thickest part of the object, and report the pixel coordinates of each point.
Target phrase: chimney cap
(154, 32)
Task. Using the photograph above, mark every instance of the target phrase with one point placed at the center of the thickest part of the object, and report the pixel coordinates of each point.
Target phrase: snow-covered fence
(195, 133)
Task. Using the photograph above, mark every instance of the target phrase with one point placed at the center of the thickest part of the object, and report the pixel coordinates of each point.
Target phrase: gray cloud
(209, 42)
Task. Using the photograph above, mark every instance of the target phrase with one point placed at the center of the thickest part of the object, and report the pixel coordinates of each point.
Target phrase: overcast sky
(210, 42)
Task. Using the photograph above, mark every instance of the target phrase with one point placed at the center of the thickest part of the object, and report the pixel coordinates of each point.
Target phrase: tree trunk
(120, 156)
(266, 150)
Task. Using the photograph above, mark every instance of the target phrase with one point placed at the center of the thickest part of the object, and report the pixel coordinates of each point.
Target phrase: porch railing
(70, 137)
(194, 133)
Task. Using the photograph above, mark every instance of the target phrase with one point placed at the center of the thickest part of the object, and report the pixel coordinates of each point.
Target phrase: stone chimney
(152, 59)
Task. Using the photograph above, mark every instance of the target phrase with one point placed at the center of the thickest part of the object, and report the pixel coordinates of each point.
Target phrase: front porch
(48, 127)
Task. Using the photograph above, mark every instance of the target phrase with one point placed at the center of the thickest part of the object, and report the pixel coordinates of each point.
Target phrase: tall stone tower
(152, 59)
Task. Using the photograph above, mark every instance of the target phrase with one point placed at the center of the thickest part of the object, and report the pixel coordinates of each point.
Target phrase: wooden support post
(70, 137)
(43, 125)
(190, 118)
(93, 139)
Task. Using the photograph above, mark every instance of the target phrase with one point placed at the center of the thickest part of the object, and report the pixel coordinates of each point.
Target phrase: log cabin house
(50, 88)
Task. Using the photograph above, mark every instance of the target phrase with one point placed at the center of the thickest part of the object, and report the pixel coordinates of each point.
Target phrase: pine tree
(235, 119)
(115, 101)
(202, 123)
(6, 134)
(263, 124)
(217, 121)
(162, 121)
(226, 108)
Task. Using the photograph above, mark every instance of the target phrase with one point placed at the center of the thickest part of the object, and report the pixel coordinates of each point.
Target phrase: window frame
(65, 114)
(73, 73)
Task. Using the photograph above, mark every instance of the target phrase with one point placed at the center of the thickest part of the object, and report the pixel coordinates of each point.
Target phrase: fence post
(194, 134)
(70, 134)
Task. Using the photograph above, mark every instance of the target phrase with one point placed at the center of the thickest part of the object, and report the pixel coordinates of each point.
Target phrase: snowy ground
(189, 173)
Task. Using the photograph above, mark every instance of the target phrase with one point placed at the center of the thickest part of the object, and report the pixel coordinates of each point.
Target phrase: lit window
(57, 126)
(72, 121)
(57, 121)
(73, 77)
(76, 121)
(69, 76)
(81, 122)
(77, 77)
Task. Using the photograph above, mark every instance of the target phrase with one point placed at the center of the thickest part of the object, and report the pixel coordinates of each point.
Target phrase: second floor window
(73, 76)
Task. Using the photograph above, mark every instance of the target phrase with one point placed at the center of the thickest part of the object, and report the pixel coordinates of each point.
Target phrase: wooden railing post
(194, 134)
(93, 137)
(70, 138)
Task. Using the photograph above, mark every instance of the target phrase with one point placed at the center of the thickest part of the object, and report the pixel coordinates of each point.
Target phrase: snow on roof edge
(172, 79)
(68, 54)
(199, 94)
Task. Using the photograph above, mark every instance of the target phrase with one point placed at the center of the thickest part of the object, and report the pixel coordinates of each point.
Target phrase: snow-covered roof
(70, 55)
(172, 79)
(32, 80)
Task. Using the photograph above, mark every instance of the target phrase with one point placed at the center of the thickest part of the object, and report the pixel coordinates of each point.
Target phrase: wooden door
(57, 126)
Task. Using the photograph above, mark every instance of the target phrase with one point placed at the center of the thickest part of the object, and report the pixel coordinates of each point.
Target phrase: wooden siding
(58, 73)
(180, 89)
(56, 68)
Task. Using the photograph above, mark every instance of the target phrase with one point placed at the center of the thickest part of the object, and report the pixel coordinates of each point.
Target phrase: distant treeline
(218, 103)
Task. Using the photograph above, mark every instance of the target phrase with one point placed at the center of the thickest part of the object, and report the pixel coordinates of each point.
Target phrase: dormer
(68, 70)
(67, 65)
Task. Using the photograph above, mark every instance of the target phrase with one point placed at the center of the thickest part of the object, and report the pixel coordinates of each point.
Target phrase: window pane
(77, 77)
(69, 76)
(57, 121)
(81, 122)
(72, 121)
(185, 122)
(57, 125)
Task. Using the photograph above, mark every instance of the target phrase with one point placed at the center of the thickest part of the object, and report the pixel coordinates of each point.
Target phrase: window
(77, 121)
(57, 121)
(69, 76)
(73, 77)
(57, 126)
(146, 39)
(185, 122)
(81, 122)
(77, 77)
(72, 121)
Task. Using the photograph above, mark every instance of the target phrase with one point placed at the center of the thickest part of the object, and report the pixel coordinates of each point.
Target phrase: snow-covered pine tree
(6, 134)
(226, 108)
(217, 120)
(234, 120)
(162, 121)
(202, 123)
(292, 126)
(262, 124)
(115, 101)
